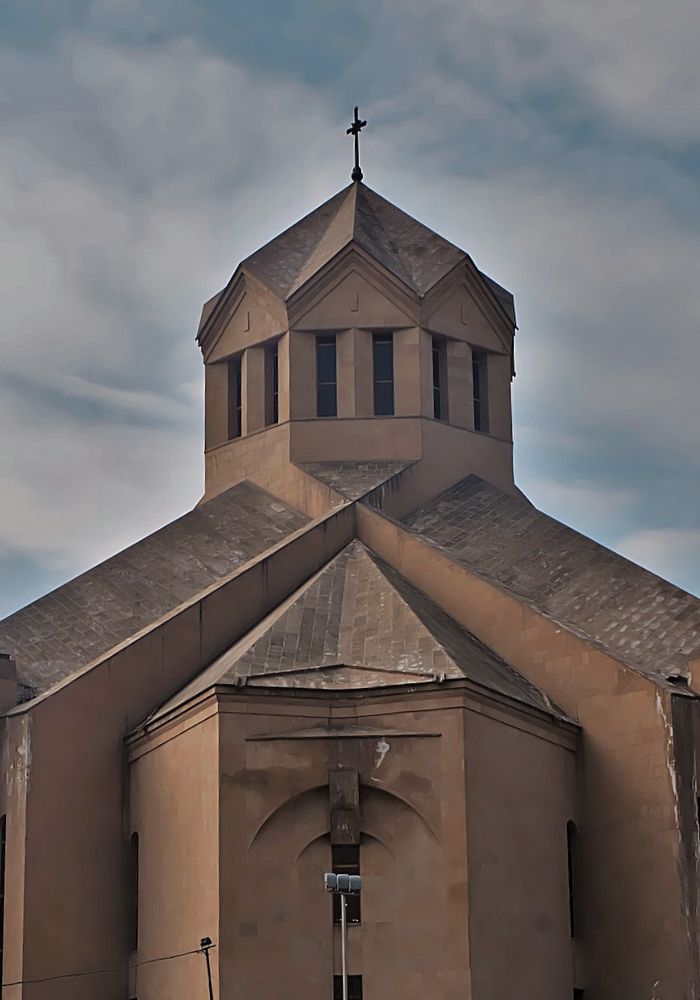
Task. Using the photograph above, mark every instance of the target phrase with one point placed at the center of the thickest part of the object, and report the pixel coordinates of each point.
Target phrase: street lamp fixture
(343, 885)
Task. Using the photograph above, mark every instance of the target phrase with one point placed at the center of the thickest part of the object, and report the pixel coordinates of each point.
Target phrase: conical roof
(408, 249)
(357, 624)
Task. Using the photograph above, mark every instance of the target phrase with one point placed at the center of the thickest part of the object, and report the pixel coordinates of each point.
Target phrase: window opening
(3, 851)
(479, 362)
(383, 359)
(235, 412)
(134, 892)
(354, 988)
(571, 836)
(272, 386)
(326, 382)
(345, 860)
(439, 368)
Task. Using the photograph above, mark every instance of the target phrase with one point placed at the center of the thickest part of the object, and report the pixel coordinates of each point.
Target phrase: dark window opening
(235, 411)
(326, 382)
(345, 860)
(383, 363)
(578, 994)
(439, 379)
(3, 851)
(571, 836)
(481, 417)
(354, 988)
(134, 892)
(272, 385)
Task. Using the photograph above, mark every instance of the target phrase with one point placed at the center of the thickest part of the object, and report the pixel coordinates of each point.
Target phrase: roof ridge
(321, 252)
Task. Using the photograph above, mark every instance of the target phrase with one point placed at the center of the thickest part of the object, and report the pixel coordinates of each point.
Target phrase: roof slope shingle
(411, 251)
(65, 630)
(639, 618)
(355, 625)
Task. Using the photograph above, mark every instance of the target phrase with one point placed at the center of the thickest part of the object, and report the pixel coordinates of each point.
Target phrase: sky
(146, 147)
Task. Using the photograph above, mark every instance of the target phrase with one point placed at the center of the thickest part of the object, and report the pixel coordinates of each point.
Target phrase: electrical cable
(104, 972)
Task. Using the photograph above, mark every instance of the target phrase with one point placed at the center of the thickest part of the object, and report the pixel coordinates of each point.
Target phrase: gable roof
(68, 628)
(354, 479)
(634, 615)
(356, 625)
(411, 251)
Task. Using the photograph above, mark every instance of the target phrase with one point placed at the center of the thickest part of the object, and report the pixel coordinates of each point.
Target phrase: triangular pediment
(355, 626)
(463, 312)
(353, 291)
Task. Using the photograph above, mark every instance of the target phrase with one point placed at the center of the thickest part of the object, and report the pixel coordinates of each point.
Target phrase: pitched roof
(405, 247)
(354, 479)
(632, 614)
(357, 624)
(85, 618)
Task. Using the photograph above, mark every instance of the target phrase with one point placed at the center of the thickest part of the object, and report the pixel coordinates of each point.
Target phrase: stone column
(345, 372)
(215, 404)
(425, 351)
(407, 372)
(499, 403)
(302, 375)
(460, 391)
(253, 386)
(364, 394)
(284, 377)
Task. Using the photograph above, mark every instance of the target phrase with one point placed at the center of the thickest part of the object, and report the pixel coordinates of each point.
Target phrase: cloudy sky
(145, 147)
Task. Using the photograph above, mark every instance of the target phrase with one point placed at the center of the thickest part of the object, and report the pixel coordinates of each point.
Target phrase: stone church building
(365, 650)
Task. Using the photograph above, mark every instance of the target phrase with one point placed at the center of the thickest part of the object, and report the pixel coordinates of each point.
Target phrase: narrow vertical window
(481, 418)
(383, 359)
(3, 852)
(272, 385)
(354, 988)
(571, 835)
(134, 892)
(235, 421)
(345, 860)
(326, 382)
(439, 380)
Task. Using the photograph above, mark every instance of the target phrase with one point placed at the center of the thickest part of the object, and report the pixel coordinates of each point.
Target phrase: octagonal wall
(262, 370)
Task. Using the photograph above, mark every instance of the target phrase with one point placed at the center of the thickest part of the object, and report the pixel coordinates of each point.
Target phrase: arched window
(3, 843)
(134, 892)
(571, 850)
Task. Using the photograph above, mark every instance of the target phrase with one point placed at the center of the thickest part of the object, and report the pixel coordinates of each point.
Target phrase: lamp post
(343, 886)
(204, 946)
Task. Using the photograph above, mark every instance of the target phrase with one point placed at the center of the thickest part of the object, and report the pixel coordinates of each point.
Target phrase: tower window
(481, 416)
(354, 988)
(3, 851)
(345, 860)
(439, 380)
(383, 359)
(326, 380)
(235, 411)
(272, 385)
(134, 892)
(571, 836)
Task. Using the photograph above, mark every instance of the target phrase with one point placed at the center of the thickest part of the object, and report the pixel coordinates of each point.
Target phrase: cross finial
(356, 127)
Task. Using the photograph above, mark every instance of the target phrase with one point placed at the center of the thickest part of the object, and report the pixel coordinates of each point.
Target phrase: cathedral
(364, 652)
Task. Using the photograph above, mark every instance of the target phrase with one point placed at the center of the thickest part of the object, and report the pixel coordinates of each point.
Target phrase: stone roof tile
(58, 634)
(358, 624)
(634, 615)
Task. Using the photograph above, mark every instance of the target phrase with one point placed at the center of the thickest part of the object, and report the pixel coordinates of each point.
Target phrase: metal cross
(355, 128)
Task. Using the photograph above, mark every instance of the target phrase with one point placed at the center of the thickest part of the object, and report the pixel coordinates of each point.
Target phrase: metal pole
(205, 944)
(343, 944)
(211, 988)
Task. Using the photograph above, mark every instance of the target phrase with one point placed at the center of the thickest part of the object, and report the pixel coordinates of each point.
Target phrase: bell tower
(358, 335)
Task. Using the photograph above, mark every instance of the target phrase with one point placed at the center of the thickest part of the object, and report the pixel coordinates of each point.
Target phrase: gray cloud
(135, 173)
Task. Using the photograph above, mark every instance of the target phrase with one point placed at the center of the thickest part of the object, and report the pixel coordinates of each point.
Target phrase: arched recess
(303, 817)
(325, 837)
(308, 808)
